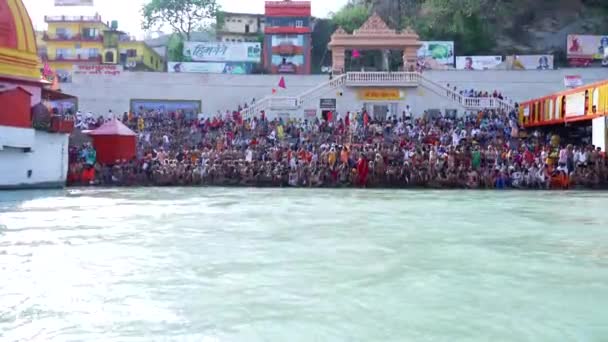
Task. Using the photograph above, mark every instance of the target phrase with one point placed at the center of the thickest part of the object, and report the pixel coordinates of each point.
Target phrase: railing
(77, 37)
(75, 18)
(77, 58)
(284, 102)
(316, 91)
(382, 78)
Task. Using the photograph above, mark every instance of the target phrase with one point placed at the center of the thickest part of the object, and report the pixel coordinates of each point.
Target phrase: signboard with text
(573, 81)
(586, 46)
(97, 69)
(234, 68)
(222, 52)
(327, 104)
(381, 94)
(477, 62)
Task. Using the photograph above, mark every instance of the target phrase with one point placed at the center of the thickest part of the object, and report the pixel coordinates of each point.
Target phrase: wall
(235, 23)
(149, 57)
(99, 93)
(48, 162)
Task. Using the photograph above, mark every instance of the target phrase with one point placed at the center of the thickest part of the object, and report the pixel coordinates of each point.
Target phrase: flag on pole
(282, 83)
(356, 54)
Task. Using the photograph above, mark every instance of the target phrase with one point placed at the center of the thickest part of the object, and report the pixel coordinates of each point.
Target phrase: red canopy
(114, 142)
(113, 127)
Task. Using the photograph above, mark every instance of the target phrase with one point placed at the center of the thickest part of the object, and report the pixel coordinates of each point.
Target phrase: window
(62, 53)
(77, 46)
(131, 53)
(151, 60)
(63, 33)
(299, 23)
(93, 52)
(90, 33)
(246, 28)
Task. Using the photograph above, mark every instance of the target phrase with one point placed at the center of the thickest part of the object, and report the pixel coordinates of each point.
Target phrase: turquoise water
(220, 264)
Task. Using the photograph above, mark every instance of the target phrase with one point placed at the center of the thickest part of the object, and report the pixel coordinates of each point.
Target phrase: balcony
(371, 79)
(47, 37)
(72, 18)
(77, 58)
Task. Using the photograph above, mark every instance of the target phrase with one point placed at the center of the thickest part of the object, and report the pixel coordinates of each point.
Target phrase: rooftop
(73, 18)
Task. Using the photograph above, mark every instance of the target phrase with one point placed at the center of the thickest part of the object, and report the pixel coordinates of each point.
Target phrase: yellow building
(73, 40)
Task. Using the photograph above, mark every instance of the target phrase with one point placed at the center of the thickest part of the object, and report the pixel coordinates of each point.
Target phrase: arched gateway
(374, 34)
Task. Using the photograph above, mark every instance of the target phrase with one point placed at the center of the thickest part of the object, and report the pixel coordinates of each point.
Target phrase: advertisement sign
(327, 104)
(573, 81)
(165, 106)
(585, 46)
(434, 53)
(477, 62)
(380, 94)
(97, 69)
(287, 53)
(531, 62)
(73, 2)
(222, 52)
(234, 68)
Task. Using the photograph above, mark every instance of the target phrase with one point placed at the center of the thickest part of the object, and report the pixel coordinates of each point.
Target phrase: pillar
(337, 59)
(410, 56)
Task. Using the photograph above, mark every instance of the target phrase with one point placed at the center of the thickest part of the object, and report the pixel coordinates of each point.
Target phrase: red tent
(114, 141)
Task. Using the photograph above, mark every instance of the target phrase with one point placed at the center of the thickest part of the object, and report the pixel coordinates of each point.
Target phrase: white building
(241, 27)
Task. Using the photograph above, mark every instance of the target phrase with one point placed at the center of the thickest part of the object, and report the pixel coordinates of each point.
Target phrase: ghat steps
(375, 79)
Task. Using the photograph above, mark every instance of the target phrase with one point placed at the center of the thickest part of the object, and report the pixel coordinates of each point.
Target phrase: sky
(127, 12)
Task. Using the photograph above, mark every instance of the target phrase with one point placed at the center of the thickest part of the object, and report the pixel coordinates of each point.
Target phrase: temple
(33, 137)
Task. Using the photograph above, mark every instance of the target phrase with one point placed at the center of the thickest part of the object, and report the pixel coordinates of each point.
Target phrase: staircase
(375, 79)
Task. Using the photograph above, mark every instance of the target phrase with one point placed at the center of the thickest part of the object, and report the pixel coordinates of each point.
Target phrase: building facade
(287, 41)
(75, 40)
(241, 27)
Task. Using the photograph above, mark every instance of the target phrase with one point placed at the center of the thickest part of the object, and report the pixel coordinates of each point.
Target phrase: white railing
(382, 78)
(322, 88)
(471, 103)
(284, 102)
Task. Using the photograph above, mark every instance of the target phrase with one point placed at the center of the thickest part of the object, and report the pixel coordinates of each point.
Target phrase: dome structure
(18, 51)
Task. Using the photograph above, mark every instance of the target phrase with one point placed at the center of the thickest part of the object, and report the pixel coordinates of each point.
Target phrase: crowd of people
(485, 150)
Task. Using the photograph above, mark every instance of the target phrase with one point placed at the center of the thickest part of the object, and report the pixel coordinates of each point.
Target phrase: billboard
(73, 2)
(585, 46)
(435, 54)
(287, 53)
(165, 106)
(477, 62)
(234, 68)
(222, 52)
(531, 62)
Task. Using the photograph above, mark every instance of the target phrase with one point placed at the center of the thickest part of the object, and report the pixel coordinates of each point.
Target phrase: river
(226, 264)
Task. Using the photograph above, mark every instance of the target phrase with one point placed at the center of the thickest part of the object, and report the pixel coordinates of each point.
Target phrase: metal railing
(75, 18)
(77, 37)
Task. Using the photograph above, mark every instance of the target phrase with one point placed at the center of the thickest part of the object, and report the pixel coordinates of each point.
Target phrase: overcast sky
(127, 12)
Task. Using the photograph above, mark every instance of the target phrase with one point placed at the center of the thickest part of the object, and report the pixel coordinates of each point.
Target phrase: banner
(234, 68)
(436, 53)
(573, 81)
(310, 113)
(584, 46)
(73, 2)
(187, 106)
(380, 94)
(287, 53)
(222, 52)
(97, 69)
(531, 62)
(477, 62)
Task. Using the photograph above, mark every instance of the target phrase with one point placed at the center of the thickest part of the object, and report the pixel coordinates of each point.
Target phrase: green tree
(184, 16)
(351, 17)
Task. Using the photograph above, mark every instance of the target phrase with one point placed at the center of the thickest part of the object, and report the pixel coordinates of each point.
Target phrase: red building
(287, 41)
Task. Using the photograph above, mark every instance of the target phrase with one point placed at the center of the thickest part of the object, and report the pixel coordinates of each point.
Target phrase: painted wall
(48, 162)
(145, 54)
(99, 93)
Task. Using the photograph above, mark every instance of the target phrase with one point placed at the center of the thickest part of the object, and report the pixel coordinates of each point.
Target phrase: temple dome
(18, 51)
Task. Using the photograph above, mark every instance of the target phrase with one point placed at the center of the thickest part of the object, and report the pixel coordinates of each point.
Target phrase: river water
(216, 264)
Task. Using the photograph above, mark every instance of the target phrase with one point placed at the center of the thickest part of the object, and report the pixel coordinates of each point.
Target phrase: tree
(184, 16)
(351, 17)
